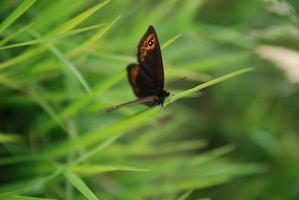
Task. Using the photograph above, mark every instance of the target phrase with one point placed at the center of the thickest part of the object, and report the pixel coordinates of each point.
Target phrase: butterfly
(146, 77)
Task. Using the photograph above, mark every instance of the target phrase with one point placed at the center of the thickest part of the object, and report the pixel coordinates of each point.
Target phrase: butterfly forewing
(149, 57)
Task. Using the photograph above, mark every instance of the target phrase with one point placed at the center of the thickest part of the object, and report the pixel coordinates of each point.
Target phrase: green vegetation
(229, 130)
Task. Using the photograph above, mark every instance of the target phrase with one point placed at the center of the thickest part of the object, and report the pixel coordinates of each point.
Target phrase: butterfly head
(162, 95)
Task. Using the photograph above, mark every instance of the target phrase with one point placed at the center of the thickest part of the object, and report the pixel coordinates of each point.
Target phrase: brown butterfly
(147, 77)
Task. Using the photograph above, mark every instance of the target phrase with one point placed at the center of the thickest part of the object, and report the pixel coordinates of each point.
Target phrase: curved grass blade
(70, 67)
(10, 83)
(78, 19)
(21, 197)
(171, 40)
(38, 97)
(87, 170)
(52, 37)
(78, 183)
(207, 84)
(14, 34)
(10, 138)
(92, 40)
(185, 196)
(16, 14)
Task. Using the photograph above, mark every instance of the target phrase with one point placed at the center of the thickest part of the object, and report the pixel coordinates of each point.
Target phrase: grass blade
(52, 37)
(21, 197)
(10, 138)
(39, 98)
(92, 40)
(16, 14)
(207, 84)
(78, 183)
(14, 34)
(96, 169)
(171, 40)
(70, 67)
(77, 20)
(185, 196)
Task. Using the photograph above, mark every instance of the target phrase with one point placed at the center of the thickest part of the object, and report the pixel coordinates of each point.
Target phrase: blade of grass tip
(80, 185)
(185, 195)
(95, 150)
(14, 34)
(190, 184)
(171, 40)
(21, 197)
(25, 5)
(21, 58)
(211, 155)
(10, 138)
(92, 40)
(78, 19)
(86, 170)
(63, 28)
(52, 37)
(38, 97)
(70, 67)
(207, 84)
(110, 56)
(10, 83)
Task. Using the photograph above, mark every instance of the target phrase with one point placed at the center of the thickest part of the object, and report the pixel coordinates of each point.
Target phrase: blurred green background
(63, 61)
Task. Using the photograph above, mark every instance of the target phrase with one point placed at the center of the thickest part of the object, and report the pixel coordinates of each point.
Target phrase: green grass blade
(8, 82)
(94, 151)
(10, 138)
(14, 34)
(16, 14)
(39, 98)
(70, 67)
(21, 58)
(96, 169)
(52, 37)
(92, 40)
(207, 84)
(195, 184)
(171, 40)
(77, 20)
(185, 196)
(21, 197)
(78, 183)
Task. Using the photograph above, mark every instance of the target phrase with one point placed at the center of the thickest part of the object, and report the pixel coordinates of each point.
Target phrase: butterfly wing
(141, 83)
(149, 57)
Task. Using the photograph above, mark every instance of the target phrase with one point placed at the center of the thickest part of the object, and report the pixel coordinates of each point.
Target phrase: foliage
(61, 62)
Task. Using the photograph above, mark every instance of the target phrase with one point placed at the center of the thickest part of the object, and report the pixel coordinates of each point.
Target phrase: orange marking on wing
(134, 74)
(148, 44)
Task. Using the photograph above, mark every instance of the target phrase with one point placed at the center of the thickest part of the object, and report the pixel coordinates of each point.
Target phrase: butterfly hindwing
(149, 57)
(141, 83)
